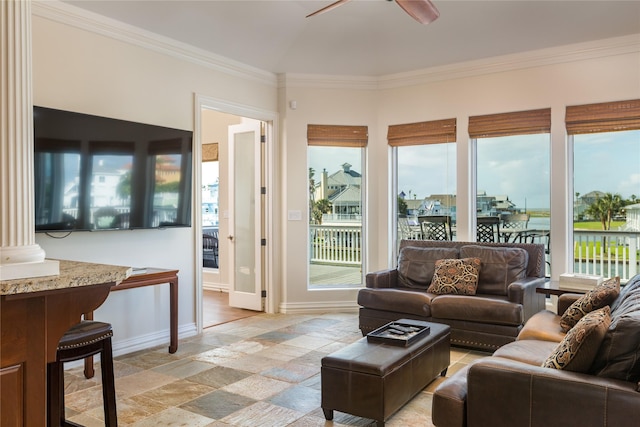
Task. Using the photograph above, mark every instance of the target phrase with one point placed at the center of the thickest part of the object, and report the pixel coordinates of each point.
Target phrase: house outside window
(336, 205)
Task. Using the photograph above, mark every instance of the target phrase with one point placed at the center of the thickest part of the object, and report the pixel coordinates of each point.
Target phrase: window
(336, 193)
(210, 217)
(606, 183)
(416, 148)
(513, 176)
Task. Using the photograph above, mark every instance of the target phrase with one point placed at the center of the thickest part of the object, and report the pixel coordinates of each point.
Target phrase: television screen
(97, 173)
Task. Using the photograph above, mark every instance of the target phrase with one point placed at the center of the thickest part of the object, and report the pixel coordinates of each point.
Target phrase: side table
(148, 277)
(552, 287)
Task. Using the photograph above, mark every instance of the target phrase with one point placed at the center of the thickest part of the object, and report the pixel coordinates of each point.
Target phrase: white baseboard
(154, 339)
(220, 287)
(142, 342)
(319, 307)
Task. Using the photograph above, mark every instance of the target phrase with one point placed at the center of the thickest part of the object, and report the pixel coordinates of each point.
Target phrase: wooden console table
(148, 277)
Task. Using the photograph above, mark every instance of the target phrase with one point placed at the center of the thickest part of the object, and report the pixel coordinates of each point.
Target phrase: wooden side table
(552, 287)
(148, 277)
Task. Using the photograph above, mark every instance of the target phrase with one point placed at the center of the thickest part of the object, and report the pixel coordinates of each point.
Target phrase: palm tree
(312, 191)
(320, 207)
(605, 208)
(402, 206)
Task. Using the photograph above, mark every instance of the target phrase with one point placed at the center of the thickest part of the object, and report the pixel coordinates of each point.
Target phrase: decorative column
(20, 256)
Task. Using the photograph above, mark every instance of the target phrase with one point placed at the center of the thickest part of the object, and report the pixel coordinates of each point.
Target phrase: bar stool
(87, 338)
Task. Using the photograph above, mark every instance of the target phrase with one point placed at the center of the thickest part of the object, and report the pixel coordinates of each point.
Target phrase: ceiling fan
(422, 11)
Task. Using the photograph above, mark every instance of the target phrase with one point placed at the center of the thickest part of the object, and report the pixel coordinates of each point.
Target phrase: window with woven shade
(336, 190)
(424, 175)
(513, 173)
(606, 181)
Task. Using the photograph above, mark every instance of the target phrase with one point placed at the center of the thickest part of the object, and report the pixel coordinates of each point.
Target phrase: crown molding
(322, 81)
(74, 16)
(518, 61)
(537, 58)
(80, 18)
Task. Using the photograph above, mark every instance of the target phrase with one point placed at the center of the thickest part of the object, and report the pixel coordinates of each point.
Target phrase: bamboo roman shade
(603, 117)
(431, 132)
(337, 135)
(210, 152)
(507, 124)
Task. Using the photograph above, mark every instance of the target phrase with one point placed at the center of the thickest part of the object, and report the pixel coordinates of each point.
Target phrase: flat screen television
(98, 173)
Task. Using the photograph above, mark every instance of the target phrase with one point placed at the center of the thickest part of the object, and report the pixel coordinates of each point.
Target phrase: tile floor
(262, 370)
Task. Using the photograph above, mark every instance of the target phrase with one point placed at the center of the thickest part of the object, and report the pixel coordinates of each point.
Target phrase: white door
(245, 203)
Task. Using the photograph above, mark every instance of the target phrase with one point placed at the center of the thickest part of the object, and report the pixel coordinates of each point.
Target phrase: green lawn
(595, 225)
(594, 252)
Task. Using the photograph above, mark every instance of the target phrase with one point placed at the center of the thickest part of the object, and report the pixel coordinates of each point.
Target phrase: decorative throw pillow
(501, 266)
(603, 294)
(577, 351)
(455, 276)
(416, 265)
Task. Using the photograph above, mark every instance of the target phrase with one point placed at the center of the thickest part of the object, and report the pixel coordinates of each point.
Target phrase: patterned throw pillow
(603, 294)
(579, 347)
(455, 276)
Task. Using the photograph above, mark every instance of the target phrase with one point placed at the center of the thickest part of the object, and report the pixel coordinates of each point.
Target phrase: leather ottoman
(374, 380)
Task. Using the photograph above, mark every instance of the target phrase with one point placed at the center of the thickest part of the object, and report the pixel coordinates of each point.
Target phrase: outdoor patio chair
(514, 227)
(544, 237)
(435, 227)
(488, 229)
(210, 250)
(405, 229)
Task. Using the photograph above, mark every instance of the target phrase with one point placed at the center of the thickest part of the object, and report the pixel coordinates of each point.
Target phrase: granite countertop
(72, 274)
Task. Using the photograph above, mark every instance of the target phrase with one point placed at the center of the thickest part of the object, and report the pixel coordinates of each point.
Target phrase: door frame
(270, 267)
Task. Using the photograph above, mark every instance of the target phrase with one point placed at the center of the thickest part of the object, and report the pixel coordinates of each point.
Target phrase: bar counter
(34, 314)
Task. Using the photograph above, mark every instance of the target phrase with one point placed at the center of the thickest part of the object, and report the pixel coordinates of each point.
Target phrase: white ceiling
(371, 37)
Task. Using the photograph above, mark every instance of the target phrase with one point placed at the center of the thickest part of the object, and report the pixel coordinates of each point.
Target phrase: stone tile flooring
(262, 370)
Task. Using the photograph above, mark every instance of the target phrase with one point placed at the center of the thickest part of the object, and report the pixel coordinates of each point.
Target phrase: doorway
(235, 245)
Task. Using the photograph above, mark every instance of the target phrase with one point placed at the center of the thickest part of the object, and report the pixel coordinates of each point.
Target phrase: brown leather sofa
(505, 299)
(511, 388)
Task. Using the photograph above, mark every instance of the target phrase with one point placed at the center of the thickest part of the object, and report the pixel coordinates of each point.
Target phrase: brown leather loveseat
(504, 300)
(529, 382)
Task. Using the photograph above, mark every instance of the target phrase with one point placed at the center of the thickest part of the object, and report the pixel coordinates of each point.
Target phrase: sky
(517, 166)
(608, 162)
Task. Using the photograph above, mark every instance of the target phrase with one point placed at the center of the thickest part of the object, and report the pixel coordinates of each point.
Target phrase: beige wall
(606, 78)
(83, 71)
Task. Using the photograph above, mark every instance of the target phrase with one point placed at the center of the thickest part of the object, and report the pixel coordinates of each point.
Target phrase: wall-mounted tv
(98, 173)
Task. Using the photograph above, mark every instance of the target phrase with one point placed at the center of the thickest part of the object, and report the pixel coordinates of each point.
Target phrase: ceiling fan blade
(328, 8)
(422, 11)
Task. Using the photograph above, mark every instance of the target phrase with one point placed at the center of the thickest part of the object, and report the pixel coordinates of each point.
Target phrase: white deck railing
(606, 253)
(335, 244)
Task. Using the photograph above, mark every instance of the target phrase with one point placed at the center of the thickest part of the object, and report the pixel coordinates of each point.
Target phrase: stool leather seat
(82, 340)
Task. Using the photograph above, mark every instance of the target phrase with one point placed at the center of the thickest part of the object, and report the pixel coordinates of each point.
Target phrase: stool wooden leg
(88, 361)
(55, 394)
(88, 367)
(108, 385)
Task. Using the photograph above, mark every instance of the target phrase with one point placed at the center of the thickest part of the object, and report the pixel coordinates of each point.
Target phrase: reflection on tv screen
(95, 173)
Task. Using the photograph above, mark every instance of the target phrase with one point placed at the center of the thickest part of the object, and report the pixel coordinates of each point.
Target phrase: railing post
(633, 256)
